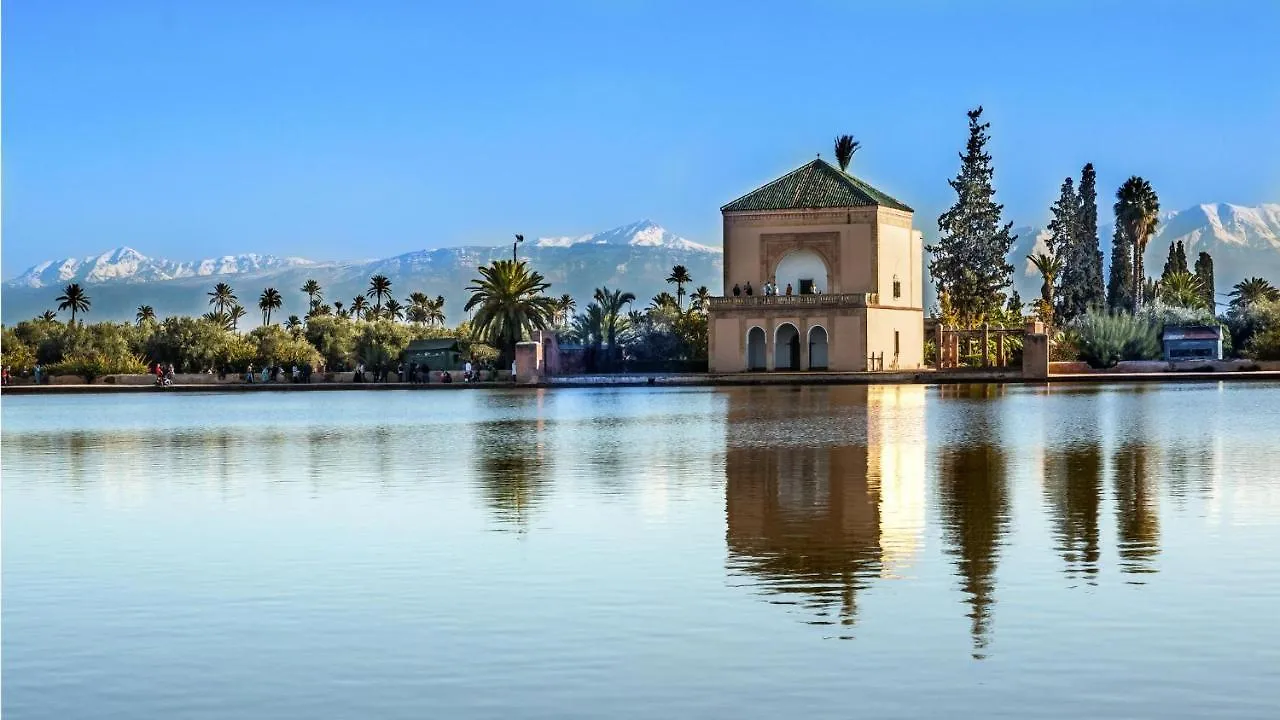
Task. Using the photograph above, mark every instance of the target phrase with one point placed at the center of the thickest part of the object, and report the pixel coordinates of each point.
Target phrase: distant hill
(636, 257)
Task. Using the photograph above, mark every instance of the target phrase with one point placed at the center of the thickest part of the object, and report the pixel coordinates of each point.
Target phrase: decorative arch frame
(775, 247)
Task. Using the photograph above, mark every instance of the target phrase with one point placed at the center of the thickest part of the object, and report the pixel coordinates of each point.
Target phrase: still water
(970, 551)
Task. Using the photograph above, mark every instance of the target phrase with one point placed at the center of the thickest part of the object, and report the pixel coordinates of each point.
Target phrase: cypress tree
(1176, 262)
(1182, 258)
(1064, 238)
(970, 259)
(1093, 290)
(1204, 271)
(1120, 283)
(1014, 306)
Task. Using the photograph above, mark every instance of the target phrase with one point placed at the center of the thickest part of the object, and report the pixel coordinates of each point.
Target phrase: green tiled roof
(813, 185)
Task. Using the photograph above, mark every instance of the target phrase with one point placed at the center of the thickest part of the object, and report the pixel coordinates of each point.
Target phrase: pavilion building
(854, 266)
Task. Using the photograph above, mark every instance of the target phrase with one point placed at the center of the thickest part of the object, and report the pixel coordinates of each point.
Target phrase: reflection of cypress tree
(805, 522)
(974, 500)
(1073, 491)
(509, 462)
(1137, 515)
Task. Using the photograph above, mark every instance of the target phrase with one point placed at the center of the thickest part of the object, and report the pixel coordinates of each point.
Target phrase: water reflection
(973, 498)
(1073, 495)
(815, 517)
(1137, 511)
(511, 463)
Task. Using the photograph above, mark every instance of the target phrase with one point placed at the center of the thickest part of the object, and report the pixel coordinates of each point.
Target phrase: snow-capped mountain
(636, 257)
(644, 233)
(124, 264)
(1243, 241)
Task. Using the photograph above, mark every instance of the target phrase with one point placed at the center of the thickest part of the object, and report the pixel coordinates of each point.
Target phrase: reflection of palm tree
(1073, 492)
(1137, 515)
(510, 467)
(804, 521)
(974, 499)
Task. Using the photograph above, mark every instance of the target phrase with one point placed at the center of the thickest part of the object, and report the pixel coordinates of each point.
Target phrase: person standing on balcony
(788, 289)
(736, 290)
(748, 291)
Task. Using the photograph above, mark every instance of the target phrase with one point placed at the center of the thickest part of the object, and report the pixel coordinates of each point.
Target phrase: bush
(1105, 339)
(1064, 346)
(1264, 345)
(96, 364)
(15, 354)
(1246, 323)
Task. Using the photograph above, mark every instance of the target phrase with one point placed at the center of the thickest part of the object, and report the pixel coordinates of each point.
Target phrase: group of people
(277, 373)
(770, 288)
(414, 373)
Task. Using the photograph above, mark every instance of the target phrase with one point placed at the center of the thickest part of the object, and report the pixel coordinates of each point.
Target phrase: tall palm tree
(221, 297)
(293, 324)
(379, 288)
(1182, 289)
(313, 291)
(613, 303)
(588, 328)
(320, 309)
(236, 312)
(1137, 211)
(337, 308)
(268, 301)
(435, 311)
(846, 146)
(508, 301)
(1049, 267)
(679, 275)
(701, 299)
(74, 299)
(359, 307)
(1252, 291)
(146, 313)
(417, 298)
(394, 310)
(565, 307)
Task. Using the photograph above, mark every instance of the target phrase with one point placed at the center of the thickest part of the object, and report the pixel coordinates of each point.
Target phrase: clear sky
(347, 129)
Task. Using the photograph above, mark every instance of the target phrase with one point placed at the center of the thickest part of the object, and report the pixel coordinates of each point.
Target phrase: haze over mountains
(1244, 241)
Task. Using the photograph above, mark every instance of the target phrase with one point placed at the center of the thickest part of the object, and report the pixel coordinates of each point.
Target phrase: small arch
(817, 348)
(756, 354)
(786, 347)
(800, 265)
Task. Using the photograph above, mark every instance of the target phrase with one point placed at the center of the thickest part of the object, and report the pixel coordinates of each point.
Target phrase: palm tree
(846, 146)
(218, 318)
(1253, 291)
(612, 303)
(293, 324)
(394, 310)
(358, 307)
(1137, 211)
(416, 314)
(337, 308)
(48, 316)
(313, 291)
(268, 301)
(679, 275)
(236, 312)
(221, 297)
(146, 313)
(702, 299)
(1183, 289)
(320, 309)
(588, 328)
(1049, 267)
(379, 287)
(418, 299)
(74, 299)
(509, 302)
(435, 311)
(565, 307)
(663, 301)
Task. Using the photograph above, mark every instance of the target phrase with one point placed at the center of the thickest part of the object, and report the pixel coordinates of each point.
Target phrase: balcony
(840, 300)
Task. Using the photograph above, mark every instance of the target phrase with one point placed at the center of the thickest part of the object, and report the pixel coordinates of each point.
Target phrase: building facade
(852, 262)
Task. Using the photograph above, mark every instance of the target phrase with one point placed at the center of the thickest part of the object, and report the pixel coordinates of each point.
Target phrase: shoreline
(666, 381)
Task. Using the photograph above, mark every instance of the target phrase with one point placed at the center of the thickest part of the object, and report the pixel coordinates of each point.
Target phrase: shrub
(96, 364)
(1248, 322)
(15, 354)
(1105, 339)
(1064, 346)
(1264, 345)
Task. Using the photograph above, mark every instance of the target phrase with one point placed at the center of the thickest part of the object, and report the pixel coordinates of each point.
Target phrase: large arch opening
(804, 270)
(786, 348)
(756, 355)
(817, 348)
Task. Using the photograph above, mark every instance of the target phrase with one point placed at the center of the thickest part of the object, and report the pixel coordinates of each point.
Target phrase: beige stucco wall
(909, 323)
(850, 273)
(899, 255)
(846, 346)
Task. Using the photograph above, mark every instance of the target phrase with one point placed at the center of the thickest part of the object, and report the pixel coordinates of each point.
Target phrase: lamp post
(514, 245)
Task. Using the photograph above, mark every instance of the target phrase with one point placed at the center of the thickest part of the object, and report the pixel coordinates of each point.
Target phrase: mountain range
(637, 257)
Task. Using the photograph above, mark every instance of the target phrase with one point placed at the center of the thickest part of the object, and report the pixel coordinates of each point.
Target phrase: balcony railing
(801, 301)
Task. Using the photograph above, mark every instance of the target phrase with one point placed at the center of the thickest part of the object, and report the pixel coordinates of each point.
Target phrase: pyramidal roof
(815, 184)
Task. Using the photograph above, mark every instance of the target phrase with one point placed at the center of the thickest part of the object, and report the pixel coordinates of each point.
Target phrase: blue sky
(356, 129)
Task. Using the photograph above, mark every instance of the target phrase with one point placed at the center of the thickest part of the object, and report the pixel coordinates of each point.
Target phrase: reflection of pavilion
(819, 520)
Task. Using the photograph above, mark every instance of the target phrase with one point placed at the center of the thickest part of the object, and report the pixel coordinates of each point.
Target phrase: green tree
(1137, 211)
(145, 313)
(509, 302)
(1089, 286)
(588, 330)
(1176, 262)
(970, 258)
(314, 293)
(236, 312)
(613, 303)
(379, 288)
(435, 311)
(1204, 271)
(73, 298)
(220, 319)
(564, 308)
(1064, 233)
(701, 299)
(1182, 289)
(394, 311)
(1049, 267)
(293, 324)
(663, 300)
(679, 275)
(358, 307)
(1120, 283)
(338, 308)
(222, 297)
(269, 300)
(48, 316)
(1253, 291)
(846, 146)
